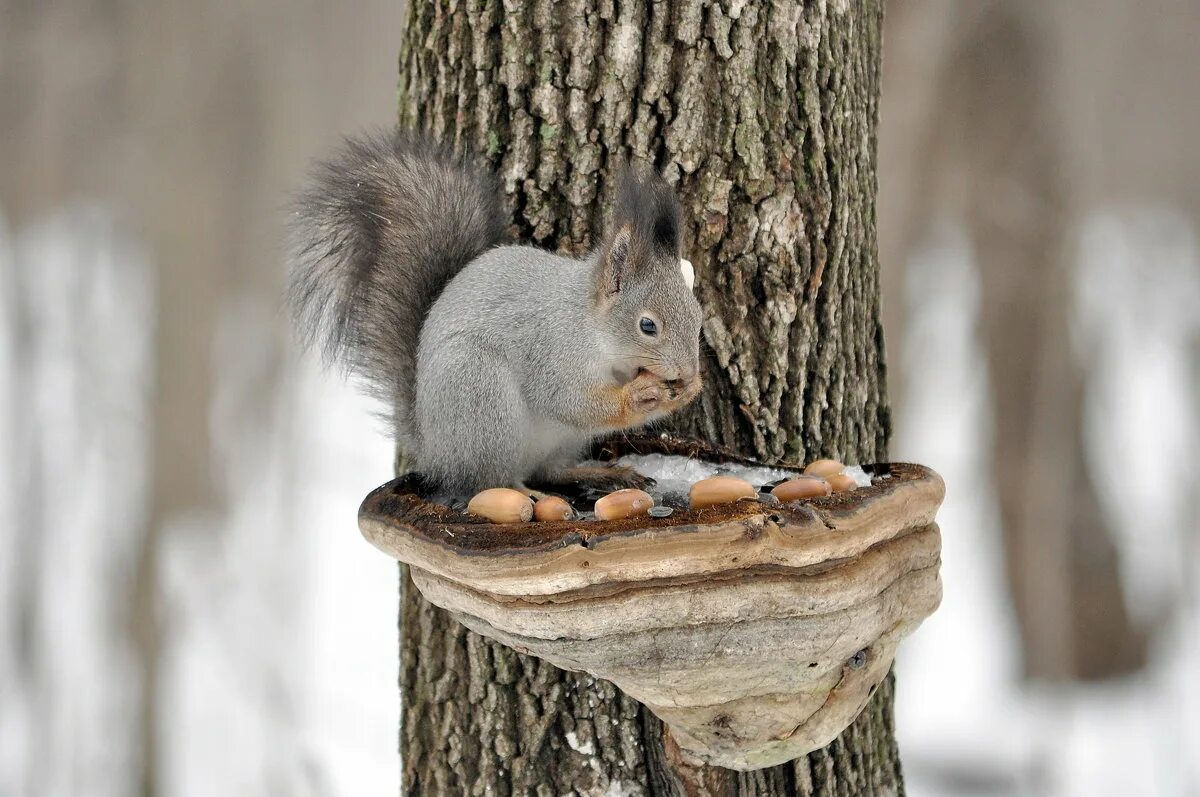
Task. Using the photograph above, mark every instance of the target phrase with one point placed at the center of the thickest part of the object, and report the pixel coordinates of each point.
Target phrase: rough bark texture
(764, 117)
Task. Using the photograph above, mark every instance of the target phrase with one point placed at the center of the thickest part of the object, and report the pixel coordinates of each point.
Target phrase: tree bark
(763, 115)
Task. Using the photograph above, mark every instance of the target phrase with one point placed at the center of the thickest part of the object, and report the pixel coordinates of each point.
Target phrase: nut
(841, 483)
(824, 468)
(623, 504)
(801, 487)
(552, 508)
(501, 505)
(719, 490)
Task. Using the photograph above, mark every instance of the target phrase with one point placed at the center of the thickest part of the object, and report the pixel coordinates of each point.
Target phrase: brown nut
(719, 490)
(824, 468)
(552, 508)
(501, 505)
(841, 483)
(801, 487)
(623, 504)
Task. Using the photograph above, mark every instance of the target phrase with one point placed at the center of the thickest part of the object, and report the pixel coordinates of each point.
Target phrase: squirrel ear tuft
(648, 206)
(615, 261)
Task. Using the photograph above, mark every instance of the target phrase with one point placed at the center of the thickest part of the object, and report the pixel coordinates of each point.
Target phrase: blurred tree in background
(183, 126)
(1018, 119)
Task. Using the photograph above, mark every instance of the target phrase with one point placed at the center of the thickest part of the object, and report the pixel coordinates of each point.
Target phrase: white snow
(278, 670)
(966, 720)
(665, 468)
(860, 476)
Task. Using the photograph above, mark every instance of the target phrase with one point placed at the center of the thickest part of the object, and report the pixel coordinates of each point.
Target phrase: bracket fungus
(757, 631)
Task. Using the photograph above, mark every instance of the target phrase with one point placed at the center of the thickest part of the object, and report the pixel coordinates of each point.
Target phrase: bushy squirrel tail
(376, 235)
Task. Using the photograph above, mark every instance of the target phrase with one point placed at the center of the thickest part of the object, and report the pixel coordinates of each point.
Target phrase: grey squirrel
(500, 363)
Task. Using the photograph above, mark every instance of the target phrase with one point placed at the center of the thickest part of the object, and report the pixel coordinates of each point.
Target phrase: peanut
(801, 487)
(624, 504)
(719, 490)
(824, 468)
(501, 505)
(552, 508)
(841, 483)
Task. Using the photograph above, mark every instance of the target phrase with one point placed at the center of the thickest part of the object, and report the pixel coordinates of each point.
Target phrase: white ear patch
(689, 273)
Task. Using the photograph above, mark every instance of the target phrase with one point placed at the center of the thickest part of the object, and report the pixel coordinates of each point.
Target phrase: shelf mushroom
(756, 631)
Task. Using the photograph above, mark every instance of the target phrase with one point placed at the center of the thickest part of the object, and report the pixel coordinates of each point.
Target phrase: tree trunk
(764, 118)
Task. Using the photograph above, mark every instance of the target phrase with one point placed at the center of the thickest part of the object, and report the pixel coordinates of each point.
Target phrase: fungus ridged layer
(757, 632)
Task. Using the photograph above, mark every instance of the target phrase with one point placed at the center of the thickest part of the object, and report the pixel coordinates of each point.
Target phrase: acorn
(719, 490)
(501, 505)
(801, 487)
(624, 504)
(552, 508)
(824, 468)
(841, 483)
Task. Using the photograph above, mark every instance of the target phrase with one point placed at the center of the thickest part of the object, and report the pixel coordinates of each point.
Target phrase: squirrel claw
(535, 495)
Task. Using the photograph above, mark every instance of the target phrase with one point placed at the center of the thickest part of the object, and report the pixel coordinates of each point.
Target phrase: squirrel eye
(648, 326)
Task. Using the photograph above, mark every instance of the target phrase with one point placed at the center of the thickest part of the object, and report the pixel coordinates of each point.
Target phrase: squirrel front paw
(647, 393)
(681, 393)
(646, 397)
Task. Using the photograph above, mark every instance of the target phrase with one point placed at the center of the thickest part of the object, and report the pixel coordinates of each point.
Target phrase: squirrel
(500, 363)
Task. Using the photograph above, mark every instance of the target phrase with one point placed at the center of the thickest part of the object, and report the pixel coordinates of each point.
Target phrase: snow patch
(860, 476)
(671, 468)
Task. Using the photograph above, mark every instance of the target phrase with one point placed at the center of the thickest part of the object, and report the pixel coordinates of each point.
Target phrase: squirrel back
(379, 232)
(500, 364)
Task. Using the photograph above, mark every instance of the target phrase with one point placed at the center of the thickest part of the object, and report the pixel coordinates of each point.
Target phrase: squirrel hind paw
(606, 478)
(536, 495)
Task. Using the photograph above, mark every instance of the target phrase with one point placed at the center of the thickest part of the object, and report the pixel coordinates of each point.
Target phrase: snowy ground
(280, 663)
(967, 726)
